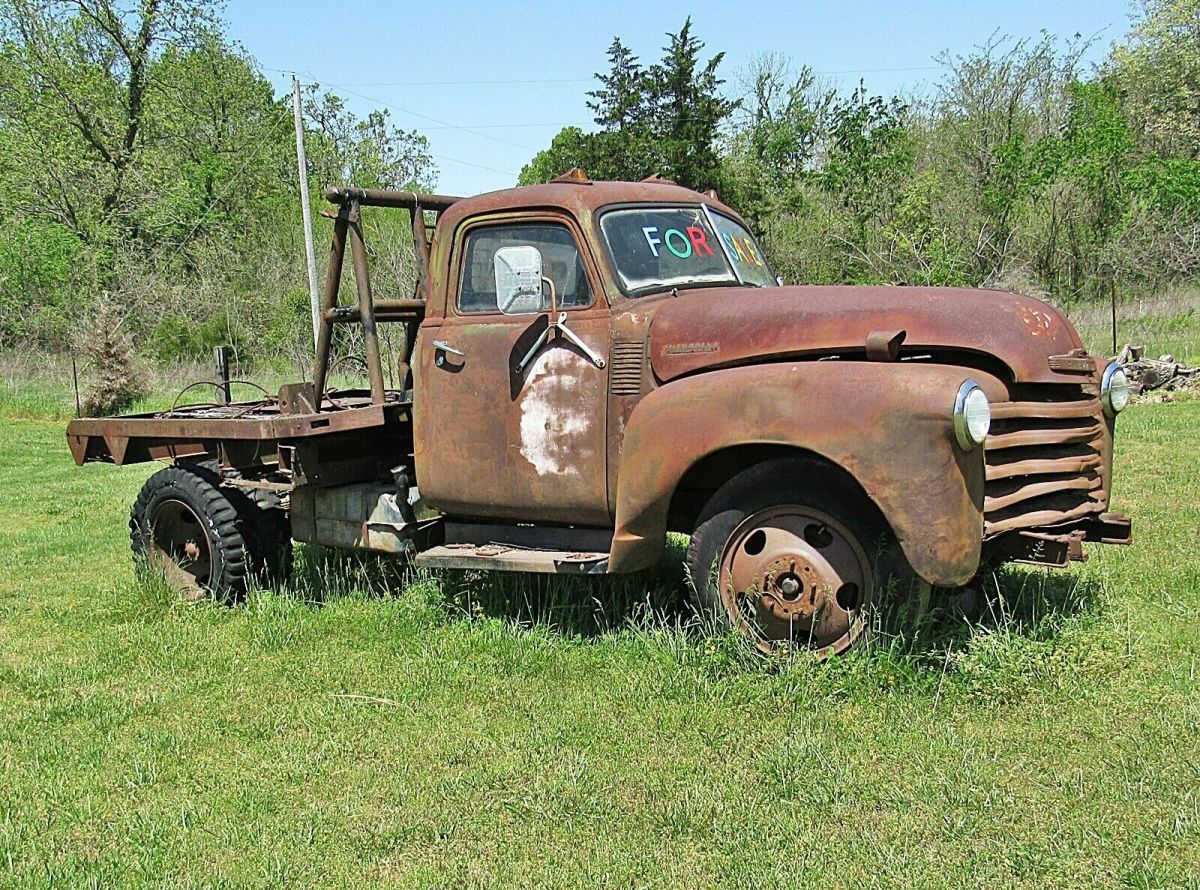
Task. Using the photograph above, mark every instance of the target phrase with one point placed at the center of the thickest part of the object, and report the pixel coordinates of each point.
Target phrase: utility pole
(309, 252)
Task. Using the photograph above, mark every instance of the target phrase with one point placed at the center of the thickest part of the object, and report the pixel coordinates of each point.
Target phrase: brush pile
(1161, 374)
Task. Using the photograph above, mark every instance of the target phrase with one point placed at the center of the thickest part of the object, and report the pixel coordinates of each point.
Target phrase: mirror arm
(560, 325)
(569, 334)
(537, 344)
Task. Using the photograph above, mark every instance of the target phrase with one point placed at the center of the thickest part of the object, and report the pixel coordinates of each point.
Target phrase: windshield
(745, 253)
(654, 248)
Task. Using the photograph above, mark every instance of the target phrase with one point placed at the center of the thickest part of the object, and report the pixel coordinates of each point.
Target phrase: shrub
(119, 382)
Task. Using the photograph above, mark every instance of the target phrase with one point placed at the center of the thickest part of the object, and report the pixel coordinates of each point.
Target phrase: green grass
(371, 726)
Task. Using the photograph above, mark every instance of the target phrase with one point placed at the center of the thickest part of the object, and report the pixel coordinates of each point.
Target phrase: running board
(511, 558)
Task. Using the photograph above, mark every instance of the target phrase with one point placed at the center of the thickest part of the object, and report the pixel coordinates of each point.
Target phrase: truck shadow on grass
(573, 606)
(1007, 630)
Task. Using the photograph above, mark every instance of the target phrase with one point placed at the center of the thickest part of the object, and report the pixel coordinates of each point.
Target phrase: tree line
(1018, 168)
(147, 165)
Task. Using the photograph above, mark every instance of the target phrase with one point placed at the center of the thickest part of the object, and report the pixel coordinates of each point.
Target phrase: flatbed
(193, 430)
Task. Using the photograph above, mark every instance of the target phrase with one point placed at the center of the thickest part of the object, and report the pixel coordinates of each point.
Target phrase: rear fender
(888, 425)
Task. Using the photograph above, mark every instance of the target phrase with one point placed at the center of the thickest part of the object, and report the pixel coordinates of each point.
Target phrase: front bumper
(1058, 546)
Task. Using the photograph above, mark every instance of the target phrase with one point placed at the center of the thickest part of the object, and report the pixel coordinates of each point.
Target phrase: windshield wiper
(656, 289)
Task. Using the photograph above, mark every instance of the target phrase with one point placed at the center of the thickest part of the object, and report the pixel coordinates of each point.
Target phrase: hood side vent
(625, 367)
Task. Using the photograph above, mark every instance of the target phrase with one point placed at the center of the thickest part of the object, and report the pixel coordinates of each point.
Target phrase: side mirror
(519, 280)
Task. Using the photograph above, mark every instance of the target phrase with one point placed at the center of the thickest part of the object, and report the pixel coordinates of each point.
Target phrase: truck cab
(594, 364)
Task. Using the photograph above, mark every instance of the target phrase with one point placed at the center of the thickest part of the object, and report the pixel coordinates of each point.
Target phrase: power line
(558, 126)
(461, 83)
(451, 83)
(474, 129)
(439, 121)
(473, 164)
(444, 124)
(508, 81)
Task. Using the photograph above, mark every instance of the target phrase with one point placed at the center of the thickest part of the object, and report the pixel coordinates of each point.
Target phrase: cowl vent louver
(625, 368)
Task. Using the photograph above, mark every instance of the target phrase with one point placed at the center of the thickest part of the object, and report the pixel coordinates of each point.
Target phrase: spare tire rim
(791, 576)
(179, 544)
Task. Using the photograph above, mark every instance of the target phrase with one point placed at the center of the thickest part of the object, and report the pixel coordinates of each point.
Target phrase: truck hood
(707, 328)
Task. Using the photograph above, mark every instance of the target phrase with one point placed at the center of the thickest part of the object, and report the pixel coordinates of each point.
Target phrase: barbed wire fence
(1164, 324)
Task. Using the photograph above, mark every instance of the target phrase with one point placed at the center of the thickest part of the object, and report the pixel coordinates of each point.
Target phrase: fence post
(221, 359)
(1112, 298)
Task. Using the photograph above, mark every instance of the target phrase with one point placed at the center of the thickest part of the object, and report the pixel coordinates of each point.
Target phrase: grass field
(369, 728)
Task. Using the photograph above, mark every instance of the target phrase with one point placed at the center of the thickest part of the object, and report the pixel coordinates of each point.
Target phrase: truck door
(511, 405)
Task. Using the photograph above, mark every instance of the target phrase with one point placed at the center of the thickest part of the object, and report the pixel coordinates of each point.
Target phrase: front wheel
(795, 558)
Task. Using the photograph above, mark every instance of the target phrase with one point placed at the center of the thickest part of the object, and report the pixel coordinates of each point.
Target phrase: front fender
(888, 425)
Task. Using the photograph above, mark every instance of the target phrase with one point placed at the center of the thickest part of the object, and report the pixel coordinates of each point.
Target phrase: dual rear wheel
(208, 538)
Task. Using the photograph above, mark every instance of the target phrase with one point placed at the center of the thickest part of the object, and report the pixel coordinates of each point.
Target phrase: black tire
(821, 557)
(269, 536)
(208, 539)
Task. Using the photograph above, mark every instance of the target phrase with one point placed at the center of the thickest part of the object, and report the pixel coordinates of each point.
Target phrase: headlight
(972, 415)
(1114, 389)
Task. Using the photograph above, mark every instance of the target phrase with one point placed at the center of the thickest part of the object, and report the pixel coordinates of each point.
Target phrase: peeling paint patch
(554, 422)
(1038, 321)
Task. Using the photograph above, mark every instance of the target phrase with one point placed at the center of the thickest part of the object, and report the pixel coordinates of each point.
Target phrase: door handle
(442, 348)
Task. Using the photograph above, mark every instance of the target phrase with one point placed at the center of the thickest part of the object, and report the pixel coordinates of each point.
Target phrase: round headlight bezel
(963, 403)
(1106, 389)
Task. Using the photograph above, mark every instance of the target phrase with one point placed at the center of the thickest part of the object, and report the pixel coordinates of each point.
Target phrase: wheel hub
(180, 545)
(791, 575)
(786, 594)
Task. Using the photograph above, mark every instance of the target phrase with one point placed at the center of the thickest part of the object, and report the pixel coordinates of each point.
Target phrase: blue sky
(490, 83)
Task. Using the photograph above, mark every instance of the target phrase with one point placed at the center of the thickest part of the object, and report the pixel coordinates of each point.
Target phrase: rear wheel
(797, 566)
(205, 538)
(270, 535)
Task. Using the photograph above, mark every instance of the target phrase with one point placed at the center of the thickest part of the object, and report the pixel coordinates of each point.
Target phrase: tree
(216, 144)
(990, 109)
(1159, 69)
(776, 136)
(665, 120)
(621, 103)
(689, 110)
(143, 154)
(624, 147)
(82, 76)
(571, 147)
(869, 155)
(368, 152)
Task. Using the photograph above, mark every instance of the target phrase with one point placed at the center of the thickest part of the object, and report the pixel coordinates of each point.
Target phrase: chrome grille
(1043, 463)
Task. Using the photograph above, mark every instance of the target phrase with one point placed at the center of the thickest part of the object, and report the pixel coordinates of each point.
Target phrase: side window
(561, 263)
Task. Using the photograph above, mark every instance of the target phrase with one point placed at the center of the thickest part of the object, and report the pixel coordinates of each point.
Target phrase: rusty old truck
(586, 366)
